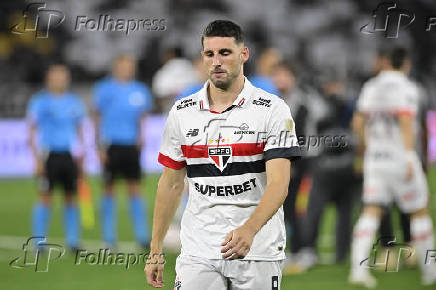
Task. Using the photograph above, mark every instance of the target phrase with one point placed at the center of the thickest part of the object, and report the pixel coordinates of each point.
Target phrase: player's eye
(225, 52)
(208, 53)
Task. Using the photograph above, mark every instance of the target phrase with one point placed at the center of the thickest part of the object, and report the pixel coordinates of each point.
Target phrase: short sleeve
(407, 102)
(281, 140)
(170, 153)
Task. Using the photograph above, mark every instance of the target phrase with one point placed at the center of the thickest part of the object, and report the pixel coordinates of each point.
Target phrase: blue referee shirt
(121, 105)
(57, 118)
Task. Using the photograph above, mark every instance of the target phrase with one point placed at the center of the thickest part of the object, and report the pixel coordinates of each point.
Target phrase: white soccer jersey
(382, 100)
(224, 155)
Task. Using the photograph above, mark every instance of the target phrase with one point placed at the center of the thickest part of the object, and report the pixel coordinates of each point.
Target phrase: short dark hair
(398, 56)
(223, 28)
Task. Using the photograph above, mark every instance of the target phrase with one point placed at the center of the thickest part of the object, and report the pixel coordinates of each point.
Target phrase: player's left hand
(238, 243)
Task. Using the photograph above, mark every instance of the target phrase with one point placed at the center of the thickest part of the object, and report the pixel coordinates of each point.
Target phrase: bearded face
(223, 58)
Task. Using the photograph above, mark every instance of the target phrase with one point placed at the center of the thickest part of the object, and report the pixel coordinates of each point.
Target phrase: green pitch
(18, 195)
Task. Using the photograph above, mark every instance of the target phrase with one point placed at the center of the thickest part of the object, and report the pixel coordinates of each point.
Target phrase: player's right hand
(154, 268)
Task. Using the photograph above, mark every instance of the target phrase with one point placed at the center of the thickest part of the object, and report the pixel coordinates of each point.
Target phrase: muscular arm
(358, 126)
(169, 191)
(32, 139)
(81, 153)
(406, 127)
(141, 125)
(408, 135)
(96, 118)
(238, 242)
(278, 172)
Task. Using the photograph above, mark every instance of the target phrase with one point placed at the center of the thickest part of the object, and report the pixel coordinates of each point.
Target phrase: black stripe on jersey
(291, 153)
(235, 168)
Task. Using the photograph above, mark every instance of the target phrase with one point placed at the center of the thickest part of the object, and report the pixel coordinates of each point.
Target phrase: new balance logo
(192, 133)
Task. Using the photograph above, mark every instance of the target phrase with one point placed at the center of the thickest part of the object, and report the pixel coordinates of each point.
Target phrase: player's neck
(220, 99)
(57, 92)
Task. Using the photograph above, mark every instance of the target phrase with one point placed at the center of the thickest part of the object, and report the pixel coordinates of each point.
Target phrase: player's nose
(216, 61)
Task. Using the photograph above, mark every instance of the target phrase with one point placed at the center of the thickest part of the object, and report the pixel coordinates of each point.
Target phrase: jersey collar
(240, 101)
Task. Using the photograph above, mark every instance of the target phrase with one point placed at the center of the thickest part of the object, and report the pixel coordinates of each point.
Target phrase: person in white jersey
(385, 123)
(235, 143)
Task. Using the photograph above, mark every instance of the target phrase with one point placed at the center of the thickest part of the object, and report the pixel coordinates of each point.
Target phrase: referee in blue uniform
(55, 116)
(120, 105)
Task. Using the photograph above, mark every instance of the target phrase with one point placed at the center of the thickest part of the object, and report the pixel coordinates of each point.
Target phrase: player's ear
(245, 53)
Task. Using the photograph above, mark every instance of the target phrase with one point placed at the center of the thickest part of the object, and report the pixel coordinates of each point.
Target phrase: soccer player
(385, 124)
(234, 142)
(121, 104)
(55, 117)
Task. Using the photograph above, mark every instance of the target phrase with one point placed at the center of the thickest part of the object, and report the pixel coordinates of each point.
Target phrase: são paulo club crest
(220, 156)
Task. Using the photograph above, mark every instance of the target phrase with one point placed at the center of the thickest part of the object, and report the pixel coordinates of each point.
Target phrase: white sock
(421, 229)
(363, 239)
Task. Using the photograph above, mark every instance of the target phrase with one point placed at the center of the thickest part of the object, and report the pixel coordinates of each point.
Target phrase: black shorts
(60, 168)
(122, 161)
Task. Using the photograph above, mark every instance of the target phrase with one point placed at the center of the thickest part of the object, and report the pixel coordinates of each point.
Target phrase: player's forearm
(32, 141)
(96, 118)
(406, 125)
(358, 126)
(166, 203)
(273, 198)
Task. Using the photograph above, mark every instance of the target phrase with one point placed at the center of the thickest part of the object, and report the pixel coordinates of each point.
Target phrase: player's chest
(61, 111)
(206, 128)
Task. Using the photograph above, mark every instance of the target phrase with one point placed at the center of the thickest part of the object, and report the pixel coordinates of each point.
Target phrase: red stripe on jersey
(238, 149)
(241, 101)
(168, 162)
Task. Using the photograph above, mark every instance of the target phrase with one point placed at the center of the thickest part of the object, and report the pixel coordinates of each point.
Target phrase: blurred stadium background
(320, 38)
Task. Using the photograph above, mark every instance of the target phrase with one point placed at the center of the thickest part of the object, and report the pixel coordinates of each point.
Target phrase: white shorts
(387, 185)
(196, 273)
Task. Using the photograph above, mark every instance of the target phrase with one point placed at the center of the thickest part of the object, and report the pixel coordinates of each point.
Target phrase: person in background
(334, 162)
(201, 73)
(285, 80)
(265, 64)
(176, 74)
(381, 63)
(55, 120)
(121, 104)
(385, 122)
